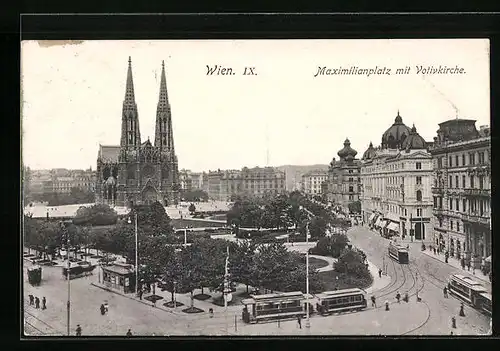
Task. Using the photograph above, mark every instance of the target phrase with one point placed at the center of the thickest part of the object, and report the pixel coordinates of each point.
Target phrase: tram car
(398, 253)
(270, 307)
(35, 275)
(485, 303)
(470, 291)
(341, 301)
(78, 270)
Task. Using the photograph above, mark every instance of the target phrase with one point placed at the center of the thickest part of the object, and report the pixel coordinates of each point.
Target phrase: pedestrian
(106, 307)
(379, 273)
(103, 309)
(211, 312)
(434, 251)
(474, 270)
(129, 333)
(78, 330)
(299, 321)
(386, 305)
(140, 294)
(374, 304)
(406, 298)
(445, 292)
(462, 263)
(468, 265)
(32, 299)
(398, 297)
(37, 302)
(461, 313)
(453, 322)
(44, 303)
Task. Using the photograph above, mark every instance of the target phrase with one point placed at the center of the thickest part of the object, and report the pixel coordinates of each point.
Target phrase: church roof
(395, 135)
(369, 153)
(414, 141)
(109, 153)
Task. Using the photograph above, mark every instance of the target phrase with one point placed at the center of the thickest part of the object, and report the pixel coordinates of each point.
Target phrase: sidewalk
(378, 283)
(477, 274)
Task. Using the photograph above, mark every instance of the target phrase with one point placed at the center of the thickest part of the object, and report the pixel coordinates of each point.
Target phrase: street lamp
(308, 323)
(68, 304)
(136, 253)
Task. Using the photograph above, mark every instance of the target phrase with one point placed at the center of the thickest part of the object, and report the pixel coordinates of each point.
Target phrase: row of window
(475, 205)
(472, 183)
(481, 159)
(392, 167)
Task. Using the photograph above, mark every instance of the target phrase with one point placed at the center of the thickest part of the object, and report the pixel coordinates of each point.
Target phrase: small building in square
(119, 276)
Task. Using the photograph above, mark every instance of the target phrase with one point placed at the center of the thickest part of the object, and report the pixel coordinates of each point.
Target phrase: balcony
(437, 190)
(476, 217)
(477, 192)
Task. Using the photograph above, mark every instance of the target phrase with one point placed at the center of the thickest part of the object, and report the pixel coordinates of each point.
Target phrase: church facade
(137, 172)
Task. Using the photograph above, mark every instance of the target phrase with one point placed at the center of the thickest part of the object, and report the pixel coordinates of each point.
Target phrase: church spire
(131, 135)
(163, 133)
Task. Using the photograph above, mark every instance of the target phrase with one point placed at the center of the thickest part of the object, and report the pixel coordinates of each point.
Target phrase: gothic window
(148, 171)
(106, 173)
(131, 172)
(164, 172)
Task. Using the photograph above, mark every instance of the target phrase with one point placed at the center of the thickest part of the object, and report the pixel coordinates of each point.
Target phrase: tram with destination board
(274, 306)
(470, 291)
(340, 301)
(398, 253)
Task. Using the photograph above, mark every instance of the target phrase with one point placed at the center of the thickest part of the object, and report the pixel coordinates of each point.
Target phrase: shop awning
(372, 217)
(383, 222)
(393, 226)
(377, 222)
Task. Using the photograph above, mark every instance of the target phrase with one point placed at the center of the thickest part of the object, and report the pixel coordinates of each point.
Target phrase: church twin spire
(130, 135)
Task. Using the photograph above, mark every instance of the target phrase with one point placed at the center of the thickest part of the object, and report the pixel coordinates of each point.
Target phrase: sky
(72, 97)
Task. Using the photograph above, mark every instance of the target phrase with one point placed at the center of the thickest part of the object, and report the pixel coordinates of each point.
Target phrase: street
(409, 277)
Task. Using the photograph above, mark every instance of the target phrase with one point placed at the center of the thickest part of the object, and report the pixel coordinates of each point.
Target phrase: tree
(355, 207)
(153, 219)
(190, 273)
(241, 262)
(323, 247)
(98, 214)
(272, 264)
(317, 227)
(338, 244)
(352, 263)
(192, 208)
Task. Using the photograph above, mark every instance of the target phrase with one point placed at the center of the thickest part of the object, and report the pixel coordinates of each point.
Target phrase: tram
(485, 303)
(398, 253)
(468, 290)
(274, 306)
(77, 270)
(340, 301)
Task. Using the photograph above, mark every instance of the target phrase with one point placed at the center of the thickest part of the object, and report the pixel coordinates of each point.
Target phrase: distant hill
(294, 173)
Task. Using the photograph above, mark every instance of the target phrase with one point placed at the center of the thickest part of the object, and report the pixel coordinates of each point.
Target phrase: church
(135, 172)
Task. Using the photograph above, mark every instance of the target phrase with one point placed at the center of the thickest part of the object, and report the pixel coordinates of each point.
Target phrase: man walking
(78, 330)
(380, 273)
(299, 321)
(398, 297)
(129, 333)
(32, 299)
(44, 303)
(37, 302)
(374, 304)
(445, 292)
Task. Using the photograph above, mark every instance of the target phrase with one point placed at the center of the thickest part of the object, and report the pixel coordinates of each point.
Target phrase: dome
(369, 153)
(414, 140)
(347, 151)
(396, 134)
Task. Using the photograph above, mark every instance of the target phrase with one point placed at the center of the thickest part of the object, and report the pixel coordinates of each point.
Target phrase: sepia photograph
(256, 188)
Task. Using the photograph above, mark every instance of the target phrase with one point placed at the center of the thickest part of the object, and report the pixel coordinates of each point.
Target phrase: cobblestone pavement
(435, 275)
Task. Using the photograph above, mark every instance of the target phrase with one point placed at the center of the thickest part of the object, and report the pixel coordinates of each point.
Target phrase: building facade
(462, 190)
(344, 182)
(312, 180)
(396, 180)
(60, 181)
(224, 184)
(136, 172)
(191, 180)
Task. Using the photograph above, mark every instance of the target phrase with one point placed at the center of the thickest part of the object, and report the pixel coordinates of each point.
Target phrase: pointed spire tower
(131, 134)
(164, 136)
